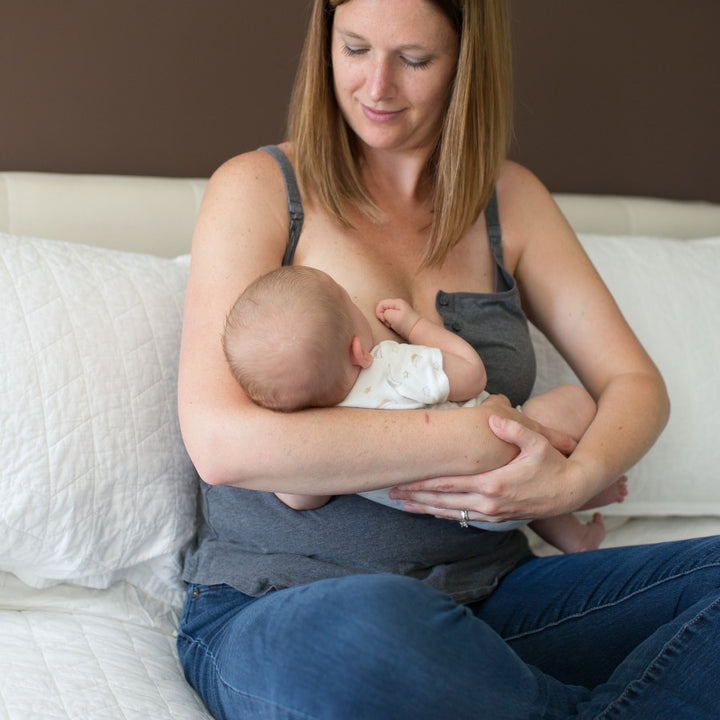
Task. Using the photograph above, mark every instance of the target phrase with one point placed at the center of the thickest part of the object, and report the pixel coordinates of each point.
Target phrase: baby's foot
(591, 535)
(616, 493)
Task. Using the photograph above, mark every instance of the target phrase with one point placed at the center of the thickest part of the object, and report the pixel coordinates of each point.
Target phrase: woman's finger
(516, 433)
(463, 514)
(451, 484)
(431, 501)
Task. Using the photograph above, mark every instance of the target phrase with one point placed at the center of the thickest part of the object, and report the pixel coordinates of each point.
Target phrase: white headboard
(138, 214)
(156, 215)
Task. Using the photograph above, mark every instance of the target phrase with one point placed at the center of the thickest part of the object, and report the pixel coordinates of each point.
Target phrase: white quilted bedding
(95, 482)
(97, 495)
(76, 653)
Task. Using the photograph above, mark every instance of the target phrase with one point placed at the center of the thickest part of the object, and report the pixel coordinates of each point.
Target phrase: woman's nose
(380, 81)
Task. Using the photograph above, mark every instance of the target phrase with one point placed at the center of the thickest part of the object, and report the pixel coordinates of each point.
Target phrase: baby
(294, 339)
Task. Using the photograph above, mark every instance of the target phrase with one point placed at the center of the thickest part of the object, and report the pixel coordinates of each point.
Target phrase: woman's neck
(396, 177)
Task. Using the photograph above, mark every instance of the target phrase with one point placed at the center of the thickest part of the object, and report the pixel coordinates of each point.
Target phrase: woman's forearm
(339, 450)
(632, 412)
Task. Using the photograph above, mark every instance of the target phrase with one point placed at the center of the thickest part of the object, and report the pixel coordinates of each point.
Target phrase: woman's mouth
(379, 116)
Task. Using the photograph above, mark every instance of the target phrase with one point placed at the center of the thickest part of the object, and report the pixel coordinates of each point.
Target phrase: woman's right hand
(540, 481)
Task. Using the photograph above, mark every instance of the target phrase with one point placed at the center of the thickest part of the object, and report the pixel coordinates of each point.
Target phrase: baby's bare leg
(569, 408)
(616, 493)
(568, 534)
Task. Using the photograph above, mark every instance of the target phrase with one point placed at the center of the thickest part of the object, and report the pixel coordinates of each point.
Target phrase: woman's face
(394, 63)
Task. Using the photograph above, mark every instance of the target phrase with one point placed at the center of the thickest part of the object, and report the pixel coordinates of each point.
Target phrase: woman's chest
(373, 261)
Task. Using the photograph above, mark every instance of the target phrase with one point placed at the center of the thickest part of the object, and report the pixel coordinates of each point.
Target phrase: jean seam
(633, 687)
(225, 684)
(604, 606)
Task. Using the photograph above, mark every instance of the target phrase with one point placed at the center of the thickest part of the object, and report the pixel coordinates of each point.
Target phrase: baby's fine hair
(287, 337)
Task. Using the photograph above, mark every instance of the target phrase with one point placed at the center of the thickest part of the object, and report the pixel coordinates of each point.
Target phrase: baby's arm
(461, 363)
(303, 502)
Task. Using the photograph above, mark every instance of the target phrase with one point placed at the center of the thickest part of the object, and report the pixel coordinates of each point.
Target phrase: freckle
(427, 419)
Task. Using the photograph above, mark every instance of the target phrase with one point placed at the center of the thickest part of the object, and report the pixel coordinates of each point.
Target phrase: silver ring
(464, 518)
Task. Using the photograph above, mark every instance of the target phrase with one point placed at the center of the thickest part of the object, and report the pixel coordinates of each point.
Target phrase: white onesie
(403, 376)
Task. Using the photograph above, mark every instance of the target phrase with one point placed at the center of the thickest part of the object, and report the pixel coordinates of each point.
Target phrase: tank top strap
(492, 222)
(503, 281)
(295, 209)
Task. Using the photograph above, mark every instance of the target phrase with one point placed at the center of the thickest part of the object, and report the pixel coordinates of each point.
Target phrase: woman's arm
(241, 233)
(567, 300)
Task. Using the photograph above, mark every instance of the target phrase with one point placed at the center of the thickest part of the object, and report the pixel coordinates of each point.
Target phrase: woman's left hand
(539, 482)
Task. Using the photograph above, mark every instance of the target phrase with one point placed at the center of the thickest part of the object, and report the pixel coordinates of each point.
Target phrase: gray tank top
(255, 543)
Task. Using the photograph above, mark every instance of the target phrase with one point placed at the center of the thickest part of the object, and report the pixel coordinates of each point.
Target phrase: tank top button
(443, 300)
(456, 326)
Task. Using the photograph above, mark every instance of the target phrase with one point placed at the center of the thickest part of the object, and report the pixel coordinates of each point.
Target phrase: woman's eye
(353, 51)
(415, 64)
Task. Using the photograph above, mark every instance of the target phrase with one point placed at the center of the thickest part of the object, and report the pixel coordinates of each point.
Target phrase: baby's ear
(358, 355)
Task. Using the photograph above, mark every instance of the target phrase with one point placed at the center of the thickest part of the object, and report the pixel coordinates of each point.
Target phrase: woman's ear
(358, 355)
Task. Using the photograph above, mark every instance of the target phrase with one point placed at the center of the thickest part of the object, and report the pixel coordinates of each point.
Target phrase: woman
(399, 124)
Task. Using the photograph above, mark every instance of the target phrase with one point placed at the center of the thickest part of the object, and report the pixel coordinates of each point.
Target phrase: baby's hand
(398, 315)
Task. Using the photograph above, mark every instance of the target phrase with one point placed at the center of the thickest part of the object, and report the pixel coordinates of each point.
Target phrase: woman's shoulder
(522, 197)
(528, 213)
(254, 167)
(517, 181)
(248, 184)
(244, 208)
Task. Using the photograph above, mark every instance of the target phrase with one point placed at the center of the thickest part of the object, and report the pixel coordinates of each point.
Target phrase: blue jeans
(615, 633)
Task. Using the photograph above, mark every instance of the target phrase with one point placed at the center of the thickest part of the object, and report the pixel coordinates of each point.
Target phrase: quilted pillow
(669, 292)
(95, 484)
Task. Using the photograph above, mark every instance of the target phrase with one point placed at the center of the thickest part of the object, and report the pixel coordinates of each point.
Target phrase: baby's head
(287, 339)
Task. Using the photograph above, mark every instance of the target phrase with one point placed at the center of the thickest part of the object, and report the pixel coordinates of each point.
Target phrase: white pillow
(669, 291)
(95, 484)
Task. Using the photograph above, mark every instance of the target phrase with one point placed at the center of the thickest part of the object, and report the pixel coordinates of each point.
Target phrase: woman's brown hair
(472, 144)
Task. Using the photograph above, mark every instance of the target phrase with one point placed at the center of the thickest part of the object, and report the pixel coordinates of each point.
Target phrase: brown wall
(620, 96)
(613, 96)
(170, 87)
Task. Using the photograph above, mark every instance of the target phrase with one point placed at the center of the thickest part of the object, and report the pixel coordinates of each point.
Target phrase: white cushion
(95, 484)
(68, 665)
(669, 291)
